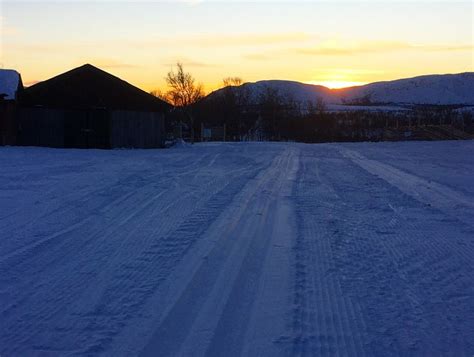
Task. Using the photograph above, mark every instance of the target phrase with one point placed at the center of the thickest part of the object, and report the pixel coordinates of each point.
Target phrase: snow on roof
(9, 82)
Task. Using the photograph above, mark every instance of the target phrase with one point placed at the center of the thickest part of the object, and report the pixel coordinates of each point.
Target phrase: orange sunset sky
(322, 42)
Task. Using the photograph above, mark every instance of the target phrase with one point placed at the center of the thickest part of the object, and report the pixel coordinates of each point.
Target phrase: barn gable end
(81, 108)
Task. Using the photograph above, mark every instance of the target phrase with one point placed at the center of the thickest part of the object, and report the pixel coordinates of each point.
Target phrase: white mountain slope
(445, 89)
(432, 89)
(302, 92)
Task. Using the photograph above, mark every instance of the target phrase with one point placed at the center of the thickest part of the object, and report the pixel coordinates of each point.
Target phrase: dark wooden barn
(89, 108)
(10, 89)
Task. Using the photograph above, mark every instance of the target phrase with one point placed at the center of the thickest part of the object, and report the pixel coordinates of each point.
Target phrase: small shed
(10, 89)
(90, 108)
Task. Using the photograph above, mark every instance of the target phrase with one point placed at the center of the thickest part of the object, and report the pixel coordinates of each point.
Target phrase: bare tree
(184, 92)
(271, 103)
(159, 94)
(183, 88)
(232, 81)
(235, 100)
(321, 106)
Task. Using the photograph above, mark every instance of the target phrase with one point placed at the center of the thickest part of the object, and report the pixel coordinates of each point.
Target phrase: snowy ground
(261, 249)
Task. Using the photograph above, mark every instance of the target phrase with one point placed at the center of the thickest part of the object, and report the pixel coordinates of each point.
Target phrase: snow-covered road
(247, 249)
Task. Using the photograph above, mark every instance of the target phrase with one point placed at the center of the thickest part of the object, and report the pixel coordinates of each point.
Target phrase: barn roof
(10, 83)
(90, 87)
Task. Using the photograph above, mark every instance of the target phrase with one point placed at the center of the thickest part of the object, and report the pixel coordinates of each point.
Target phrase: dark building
(10, 89)
(89, 108)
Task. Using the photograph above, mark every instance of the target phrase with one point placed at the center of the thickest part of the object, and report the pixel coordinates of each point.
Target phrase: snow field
(238, 249)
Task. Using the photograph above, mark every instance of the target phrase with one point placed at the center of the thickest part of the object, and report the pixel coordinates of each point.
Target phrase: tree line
(275, 116)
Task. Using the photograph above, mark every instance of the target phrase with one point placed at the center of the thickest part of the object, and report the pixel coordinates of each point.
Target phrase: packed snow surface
(252, 249)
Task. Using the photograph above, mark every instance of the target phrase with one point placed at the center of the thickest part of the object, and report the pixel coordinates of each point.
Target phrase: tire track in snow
(210, 315)
(234, 331)
(47, 303)
(86, 199)
(325, 321)
(439, 196)
(135, 196)
(414, 286)
(138, 279)
(376, 272)
(75, 274)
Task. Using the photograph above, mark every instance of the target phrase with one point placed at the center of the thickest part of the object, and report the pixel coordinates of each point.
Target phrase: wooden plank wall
(137, 129)
(8, 123)
(41, 127)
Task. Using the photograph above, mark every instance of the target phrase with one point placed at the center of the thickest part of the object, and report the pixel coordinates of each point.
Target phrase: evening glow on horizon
(327, 43)
(336, 84)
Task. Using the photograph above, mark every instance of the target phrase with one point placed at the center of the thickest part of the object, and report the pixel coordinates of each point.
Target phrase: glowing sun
(336, 84)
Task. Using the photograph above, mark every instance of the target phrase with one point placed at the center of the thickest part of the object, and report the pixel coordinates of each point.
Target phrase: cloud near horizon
(347, 48)
(187, 40)
(224, 40)
(186, 62)
(333, 48)
(306, 41)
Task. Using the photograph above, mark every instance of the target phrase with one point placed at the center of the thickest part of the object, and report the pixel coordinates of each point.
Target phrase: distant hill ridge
(440, 89)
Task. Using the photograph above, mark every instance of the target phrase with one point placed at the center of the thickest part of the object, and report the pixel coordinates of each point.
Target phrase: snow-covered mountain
(291, 90)
(294, 90)
(430, 89)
